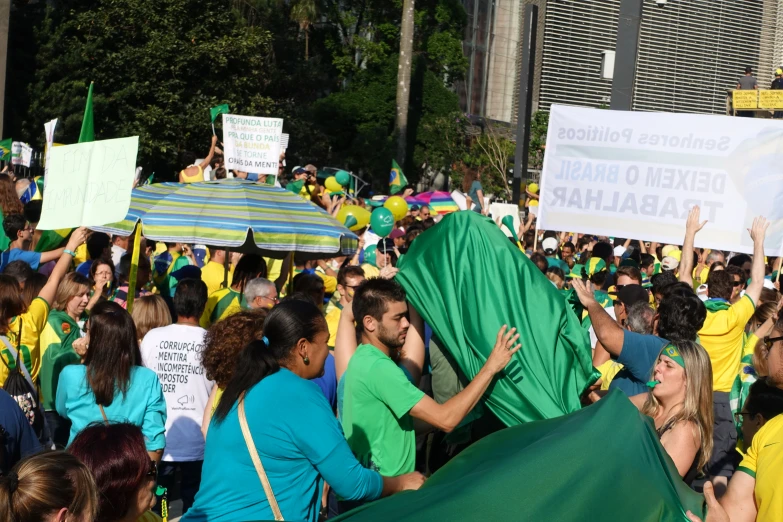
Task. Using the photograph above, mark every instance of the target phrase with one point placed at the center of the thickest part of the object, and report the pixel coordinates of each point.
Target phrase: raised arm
(414, 346)
(448, 415)
(757, 233)
(204, 164)
(609, 333)
(63, 264)
(692, 226)
(51, 255)
(345, 342)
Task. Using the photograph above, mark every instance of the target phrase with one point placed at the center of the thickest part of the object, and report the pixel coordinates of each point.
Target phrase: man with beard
(380, 401)
(20, 232)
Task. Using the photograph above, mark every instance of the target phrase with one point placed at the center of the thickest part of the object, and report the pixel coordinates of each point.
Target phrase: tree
(404, 78)
(495, 151)
(157, 66)
(305, 12)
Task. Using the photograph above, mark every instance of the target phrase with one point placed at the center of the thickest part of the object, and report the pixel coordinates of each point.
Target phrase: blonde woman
(70, 306)
(150, 311)
(680, 404)
(49, 486)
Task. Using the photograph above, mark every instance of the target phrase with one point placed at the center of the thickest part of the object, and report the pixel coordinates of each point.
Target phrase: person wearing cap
(550, 246)
(777, 84)
(624, 297)
(669, 263)
(415, 211)
(398, 236)
(722, 336)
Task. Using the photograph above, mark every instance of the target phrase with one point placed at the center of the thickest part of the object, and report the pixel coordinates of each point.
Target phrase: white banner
(16, 153)
(26, 155)
(637, 174)
(252, 144)
(49, 127)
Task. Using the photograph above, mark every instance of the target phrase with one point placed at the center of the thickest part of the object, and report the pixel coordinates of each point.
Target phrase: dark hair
(125, 265)
(249, 267)
(9, 199)
(629, 271)
(469, 176)
(739, 260)
(568, 244)
(661, 281)
(19, 270)
(13, 224)
(428, 223)
(764, 398)
(105, 260)
(97, 243)
(114, 350)
(220, 172)
(681, 316)
(678, 288)
(188, 158)
(540, 261)
(32, 210)
(286, 324)
(349, 271)
(118, 459)
(309, 284)
(190, 297)
(225, 340)
(11, 301)
(646, 260)
(371, 298)
(33, 287)
(720, 284)
(737, 271)
(603, 250)
(556, 270)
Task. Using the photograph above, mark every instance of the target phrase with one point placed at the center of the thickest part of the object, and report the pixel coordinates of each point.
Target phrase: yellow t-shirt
(33, 322)
(213, 274)
(149, 516)
(218, 394)
(764, 462)
(370, 271)
(195, 177)
(273, 268)
(608, 370)
(332, 321)
(722, 337)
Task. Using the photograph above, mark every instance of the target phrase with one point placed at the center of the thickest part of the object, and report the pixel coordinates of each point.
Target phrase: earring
(306, 359)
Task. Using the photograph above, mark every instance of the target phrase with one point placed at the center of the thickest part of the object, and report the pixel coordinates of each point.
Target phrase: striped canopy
(236, 214)
(439, 202)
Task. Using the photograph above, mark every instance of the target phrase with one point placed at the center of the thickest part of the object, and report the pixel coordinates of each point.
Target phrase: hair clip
(266, 341)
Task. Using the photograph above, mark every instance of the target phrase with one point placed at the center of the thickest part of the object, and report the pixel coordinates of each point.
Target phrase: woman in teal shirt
(112, 386)
(293, 429)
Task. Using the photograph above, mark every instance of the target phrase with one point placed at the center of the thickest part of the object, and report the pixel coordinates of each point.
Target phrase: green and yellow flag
(396, 179)
(467, 280)
(214, 112)
(88, 124)
(5, 149)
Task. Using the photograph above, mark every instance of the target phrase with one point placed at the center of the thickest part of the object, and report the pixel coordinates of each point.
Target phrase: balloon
(369, 254)
(533, 188)
(332, 184)
(382, 221)
(361, 215)
(342, 177)
(373, 202)
(533, 203)
(398, 207)
(350, 221)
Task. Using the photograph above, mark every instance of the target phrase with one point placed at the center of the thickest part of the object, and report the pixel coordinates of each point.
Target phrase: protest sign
(637, 174)
(26, 155)
(771, 99)
(745, 99)
(500, 210)
(89, 183)
(16, 153)
(252, 144)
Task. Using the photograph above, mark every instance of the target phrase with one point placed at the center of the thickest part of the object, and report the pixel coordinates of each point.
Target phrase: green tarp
(602, 463)
(467, 279)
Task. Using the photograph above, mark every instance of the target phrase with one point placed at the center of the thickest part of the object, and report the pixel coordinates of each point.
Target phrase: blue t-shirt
(143, 404)
(638, 359)
(328, 382)
(300, 445)
(562, 265)
(473, 193)
(20, 439)
(84, 268)
(15, 254)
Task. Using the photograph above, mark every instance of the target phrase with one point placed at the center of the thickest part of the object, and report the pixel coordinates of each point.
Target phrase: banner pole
(134, 269)
(213, 128)
(535, 237)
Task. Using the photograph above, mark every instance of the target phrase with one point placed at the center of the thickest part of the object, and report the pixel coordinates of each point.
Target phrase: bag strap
(251, 447)
(15, 354)
(105, 419)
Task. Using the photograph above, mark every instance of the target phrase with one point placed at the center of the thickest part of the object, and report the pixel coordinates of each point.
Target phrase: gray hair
(258, 287)
(640, 318)
(714, 256)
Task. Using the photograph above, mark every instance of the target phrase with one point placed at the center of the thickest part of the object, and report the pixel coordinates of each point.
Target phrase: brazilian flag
(5, 149)
(467, 279)
(397, 179)
(221, 304)
(602, 463)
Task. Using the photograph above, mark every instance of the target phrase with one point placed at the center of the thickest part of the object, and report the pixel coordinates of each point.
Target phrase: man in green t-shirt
(380, 401)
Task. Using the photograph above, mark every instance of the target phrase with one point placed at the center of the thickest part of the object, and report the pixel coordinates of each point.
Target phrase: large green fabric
(467, 279)
(602, 463)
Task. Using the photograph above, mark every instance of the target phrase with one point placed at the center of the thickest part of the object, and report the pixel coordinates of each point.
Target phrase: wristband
(69, 252)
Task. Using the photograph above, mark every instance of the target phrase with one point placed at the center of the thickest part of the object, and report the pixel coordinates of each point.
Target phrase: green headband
(674, 354)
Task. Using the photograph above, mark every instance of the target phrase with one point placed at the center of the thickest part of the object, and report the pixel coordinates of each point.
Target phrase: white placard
(26, 154)
(252, 144)
(500, 210)
(637, 174)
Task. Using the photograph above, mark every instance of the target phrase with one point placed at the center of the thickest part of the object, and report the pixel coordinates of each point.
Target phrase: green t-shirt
(376, 420)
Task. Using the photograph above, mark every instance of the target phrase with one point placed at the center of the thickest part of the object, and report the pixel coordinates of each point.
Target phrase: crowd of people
(250, 395)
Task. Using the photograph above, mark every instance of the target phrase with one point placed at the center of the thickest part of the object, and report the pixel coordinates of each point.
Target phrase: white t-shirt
(174, 352)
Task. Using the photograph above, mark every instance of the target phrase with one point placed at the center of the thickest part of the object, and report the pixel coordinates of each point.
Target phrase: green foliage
(157, 66)
(538, 129)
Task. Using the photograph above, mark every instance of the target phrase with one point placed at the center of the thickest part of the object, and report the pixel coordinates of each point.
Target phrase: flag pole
(213, 128)
(535, 237)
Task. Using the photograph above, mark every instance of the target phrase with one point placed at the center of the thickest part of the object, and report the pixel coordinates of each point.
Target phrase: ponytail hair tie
(13, 481)
(266, 341)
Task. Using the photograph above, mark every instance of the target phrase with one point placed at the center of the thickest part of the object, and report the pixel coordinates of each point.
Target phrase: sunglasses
(769, 341)
(740, 416)
(736, 283)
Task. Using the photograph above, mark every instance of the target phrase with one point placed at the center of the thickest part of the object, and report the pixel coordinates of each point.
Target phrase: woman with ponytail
(274, 439)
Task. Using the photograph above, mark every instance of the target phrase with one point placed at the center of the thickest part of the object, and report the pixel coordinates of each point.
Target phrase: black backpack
(20, 387)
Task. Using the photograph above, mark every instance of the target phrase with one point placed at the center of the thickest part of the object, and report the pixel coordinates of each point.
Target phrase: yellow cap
(779, 72)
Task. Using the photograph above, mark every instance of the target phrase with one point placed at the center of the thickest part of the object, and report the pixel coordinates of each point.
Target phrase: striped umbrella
(235, 214)
(439, 202)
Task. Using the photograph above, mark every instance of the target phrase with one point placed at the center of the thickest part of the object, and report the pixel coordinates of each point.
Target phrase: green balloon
(369, 254)
(342, 177)
(350, 221)
(382, 221)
